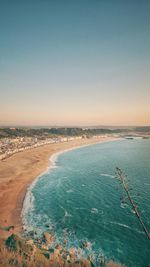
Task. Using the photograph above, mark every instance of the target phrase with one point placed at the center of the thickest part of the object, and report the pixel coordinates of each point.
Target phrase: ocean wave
(124, 205)
(121, 224)
(66, 213)
(127, 226)
(146, 184)
(94, 210)
(107, 175)
(80, 208)
(28, 205)
(69, 191)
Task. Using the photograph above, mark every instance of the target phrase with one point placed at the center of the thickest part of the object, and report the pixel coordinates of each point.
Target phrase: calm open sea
(80, 199)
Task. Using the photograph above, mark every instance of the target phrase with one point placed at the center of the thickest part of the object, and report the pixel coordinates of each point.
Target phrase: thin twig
(134, 206)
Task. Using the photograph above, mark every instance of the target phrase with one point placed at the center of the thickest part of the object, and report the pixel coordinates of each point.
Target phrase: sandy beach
(19, 171)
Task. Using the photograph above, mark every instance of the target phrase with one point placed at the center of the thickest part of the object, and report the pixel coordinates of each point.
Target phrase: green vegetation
(143, 129)
(74, 131)
(47, 132)
(16, 251)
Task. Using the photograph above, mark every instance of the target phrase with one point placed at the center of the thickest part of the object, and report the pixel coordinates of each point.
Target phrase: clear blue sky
(75, 62)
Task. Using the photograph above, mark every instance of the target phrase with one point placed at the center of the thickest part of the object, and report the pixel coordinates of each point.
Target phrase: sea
(80, 201)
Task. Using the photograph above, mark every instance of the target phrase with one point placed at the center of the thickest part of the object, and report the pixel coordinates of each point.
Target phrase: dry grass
(11, 259)
(114, 264)
(16, 259)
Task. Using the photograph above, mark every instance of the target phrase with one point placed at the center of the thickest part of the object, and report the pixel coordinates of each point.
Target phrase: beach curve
(18, 172)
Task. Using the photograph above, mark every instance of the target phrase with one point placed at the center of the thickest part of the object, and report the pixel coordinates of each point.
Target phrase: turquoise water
(80, 199)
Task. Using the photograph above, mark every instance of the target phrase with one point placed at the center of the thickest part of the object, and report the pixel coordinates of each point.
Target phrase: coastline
(18, 172)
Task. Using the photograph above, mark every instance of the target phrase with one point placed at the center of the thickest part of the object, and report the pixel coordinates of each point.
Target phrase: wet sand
(18, 172)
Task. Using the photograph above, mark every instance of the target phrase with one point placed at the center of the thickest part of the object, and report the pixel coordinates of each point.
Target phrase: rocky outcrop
(48, 238)
(18, 244)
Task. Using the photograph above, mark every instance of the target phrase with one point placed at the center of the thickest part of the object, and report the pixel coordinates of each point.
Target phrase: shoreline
(16, 178)
(52, 164)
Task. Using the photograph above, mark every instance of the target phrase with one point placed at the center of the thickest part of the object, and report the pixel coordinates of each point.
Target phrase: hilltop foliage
(47, 132)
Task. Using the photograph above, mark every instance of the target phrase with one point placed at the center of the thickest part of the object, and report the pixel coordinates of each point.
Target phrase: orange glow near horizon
(85, 117)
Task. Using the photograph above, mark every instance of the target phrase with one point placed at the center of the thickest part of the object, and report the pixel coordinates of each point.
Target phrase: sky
(74, 62)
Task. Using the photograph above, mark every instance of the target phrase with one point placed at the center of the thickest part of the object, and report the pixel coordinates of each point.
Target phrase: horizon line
(69, 126)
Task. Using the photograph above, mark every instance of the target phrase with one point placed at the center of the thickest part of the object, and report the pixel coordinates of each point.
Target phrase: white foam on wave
(67, 214)
(127, 226)
(69, 191)
(107, 175)
(94, 210)
(124, 205)
(77, 208)
(28, 203)
(121, 224)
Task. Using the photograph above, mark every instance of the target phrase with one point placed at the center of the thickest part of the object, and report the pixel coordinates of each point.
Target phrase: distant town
(14, 140)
